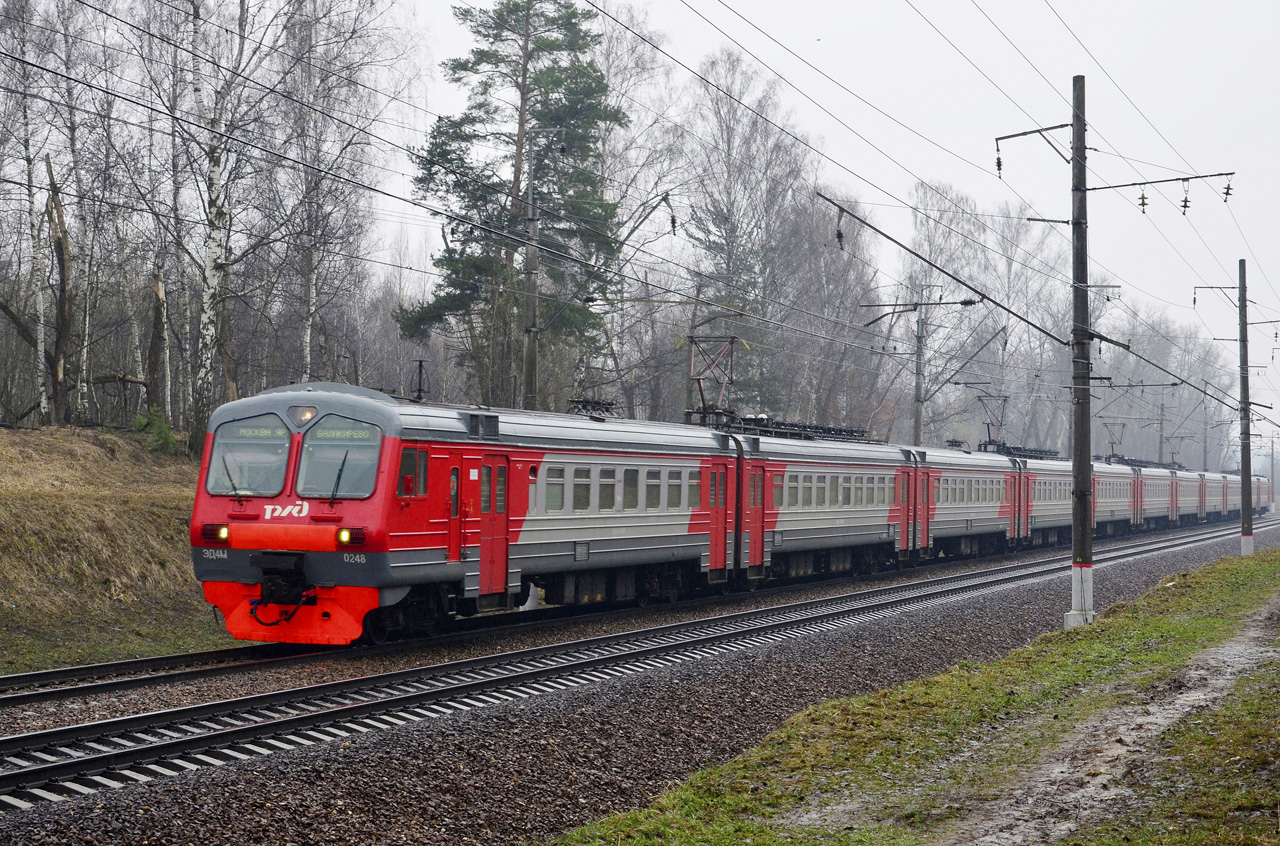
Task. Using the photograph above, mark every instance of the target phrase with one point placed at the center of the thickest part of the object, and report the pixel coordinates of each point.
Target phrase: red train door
(717, 500)
(493, 524)
(752, 499)
(449, 468)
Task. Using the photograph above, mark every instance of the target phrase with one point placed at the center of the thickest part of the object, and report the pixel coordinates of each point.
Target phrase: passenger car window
(630, 489)
(582, 489)
(652, 490)
(608, 488)
(555, 489)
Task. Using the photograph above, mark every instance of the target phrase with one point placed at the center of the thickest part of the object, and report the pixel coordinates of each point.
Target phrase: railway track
(82, 681)
(63, 763)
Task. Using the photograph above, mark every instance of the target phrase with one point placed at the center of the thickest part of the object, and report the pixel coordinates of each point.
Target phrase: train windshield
(249, 457)
(339, 459)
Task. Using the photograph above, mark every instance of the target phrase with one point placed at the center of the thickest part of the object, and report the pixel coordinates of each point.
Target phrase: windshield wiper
(234, 489)
(334, 496)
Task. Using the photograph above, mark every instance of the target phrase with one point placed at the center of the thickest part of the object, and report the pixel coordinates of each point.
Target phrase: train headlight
(216, 532)
(350, 537)
(302, 414)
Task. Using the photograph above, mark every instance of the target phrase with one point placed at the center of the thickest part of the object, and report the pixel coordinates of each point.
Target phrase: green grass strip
(892, 766)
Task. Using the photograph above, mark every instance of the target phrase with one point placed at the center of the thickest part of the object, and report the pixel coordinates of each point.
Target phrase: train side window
(806, 491)
(857, 490)
(793, 491)
(652, 490)
(422, 472)
(882, 492)
(453, 492)
(695, 490)
(555, 489)
(820, 493)
(846, 490)
(581, 489)
(630, 489)
(486, 488)
(500, 491)
(833, 490)
(777, 490)
(606, 497)
(675, 490)
(407, 484)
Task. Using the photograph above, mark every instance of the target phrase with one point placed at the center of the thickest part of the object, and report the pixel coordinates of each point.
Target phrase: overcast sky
(1173, 87)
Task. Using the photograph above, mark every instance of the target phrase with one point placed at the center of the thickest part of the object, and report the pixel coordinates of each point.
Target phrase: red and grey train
(328, 512)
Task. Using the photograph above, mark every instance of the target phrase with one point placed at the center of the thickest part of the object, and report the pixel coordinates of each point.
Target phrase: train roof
(404, 418)
(411, 420)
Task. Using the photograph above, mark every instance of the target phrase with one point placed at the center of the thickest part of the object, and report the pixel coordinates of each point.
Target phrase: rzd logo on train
(298, 509)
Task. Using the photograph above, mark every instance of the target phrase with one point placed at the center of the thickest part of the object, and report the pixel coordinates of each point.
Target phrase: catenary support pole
(1081, 612)
(531, 303)
(1246, 460)
(917, 427)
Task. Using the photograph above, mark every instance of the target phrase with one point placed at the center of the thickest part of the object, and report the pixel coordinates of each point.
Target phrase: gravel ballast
(549, 763)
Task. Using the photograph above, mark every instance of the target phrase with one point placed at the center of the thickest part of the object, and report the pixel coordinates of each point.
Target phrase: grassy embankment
(905, 762)
(94, 554)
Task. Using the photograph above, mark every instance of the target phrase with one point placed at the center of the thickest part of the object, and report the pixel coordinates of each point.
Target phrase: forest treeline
(195, 202)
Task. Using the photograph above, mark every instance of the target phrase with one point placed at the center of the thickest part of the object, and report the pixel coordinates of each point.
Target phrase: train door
(717, 503)
(923, 506)
(493, 524)
(412, 520)
(907, 508)
(1026, 502)
(447, 468)
(1139, 498)
(752, 500)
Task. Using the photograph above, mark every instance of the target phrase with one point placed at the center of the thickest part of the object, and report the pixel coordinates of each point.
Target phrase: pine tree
(536, 105)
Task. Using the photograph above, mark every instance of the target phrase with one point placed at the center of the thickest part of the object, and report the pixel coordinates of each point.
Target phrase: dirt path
(1076, 783)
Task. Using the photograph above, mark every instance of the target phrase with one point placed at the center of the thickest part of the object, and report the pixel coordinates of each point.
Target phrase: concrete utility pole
(1161, 451)
(1081, 612)
(531, 302)
(1246, 460)
(1204, 444)
(917, 427)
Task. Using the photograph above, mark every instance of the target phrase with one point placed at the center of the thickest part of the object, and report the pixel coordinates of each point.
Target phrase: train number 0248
(353, 558)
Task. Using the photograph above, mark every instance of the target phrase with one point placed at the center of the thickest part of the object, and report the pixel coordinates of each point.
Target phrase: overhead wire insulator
(999, 164)
(1142, 200)
(1186, 197)
(839, 231)
(1226, 192)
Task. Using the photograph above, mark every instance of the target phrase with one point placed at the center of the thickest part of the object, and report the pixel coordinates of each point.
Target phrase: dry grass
(93, 538)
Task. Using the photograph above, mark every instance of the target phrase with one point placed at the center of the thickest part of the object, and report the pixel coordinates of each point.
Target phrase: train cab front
(284, 529)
